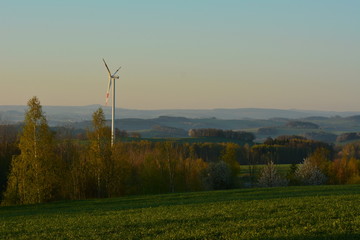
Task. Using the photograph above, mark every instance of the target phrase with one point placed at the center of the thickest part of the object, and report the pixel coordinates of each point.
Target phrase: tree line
(212, 132)
(41, 165)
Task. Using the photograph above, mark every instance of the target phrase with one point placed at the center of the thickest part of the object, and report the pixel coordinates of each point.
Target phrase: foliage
(269, 177)
(211, 132)
(165, 131)
(218, 176)
(321, 158)
(135, 135)
(267, 131)
(121, 133)
(302, 124)
(308, 173)
(345, 170)
(8, 148)
(351, 150)
(35, 173)
(135, 168)
(232, 155)
(89, 167)
(321, 136)
(348, 137)
(286, 150)
(100, 152)
(290, 176)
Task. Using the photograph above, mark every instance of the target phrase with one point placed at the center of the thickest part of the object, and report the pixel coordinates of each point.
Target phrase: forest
(38, 164)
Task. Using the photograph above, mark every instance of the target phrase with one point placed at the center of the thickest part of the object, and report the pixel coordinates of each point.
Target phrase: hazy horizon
(301, 55)
(108, 108)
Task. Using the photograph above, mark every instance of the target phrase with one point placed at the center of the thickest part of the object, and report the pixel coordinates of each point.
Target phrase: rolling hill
(58, 115)
(316, 125)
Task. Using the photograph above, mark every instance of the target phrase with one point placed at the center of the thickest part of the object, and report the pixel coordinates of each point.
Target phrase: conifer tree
(34, 176)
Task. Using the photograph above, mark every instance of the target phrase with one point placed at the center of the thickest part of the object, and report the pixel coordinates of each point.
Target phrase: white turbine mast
(112, 78)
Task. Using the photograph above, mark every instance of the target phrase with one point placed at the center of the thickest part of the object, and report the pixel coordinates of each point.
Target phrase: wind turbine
(112, 78)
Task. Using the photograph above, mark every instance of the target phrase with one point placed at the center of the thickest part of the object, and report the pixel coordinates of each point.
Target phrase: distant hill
(264, 123)
(301, 125)
(60, 115)
(165, 122)
(323, 129)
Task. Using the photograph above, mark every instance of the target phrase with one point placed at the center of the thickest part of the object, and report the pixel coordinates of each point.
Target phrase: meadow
(308, 212)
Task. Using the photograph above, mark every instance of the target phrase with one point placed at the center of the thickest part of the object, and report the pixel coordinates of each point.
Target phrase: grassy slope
(322, 212)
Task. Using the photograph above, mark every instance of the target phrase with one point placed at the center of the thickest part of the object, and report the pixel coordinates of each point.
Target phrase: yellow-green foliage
(100, 153)
(231, 156)
(35, 173)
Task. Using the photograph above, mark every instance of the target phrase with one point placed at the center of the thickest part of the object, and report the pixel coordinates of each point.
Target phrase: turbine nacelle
(112, 78)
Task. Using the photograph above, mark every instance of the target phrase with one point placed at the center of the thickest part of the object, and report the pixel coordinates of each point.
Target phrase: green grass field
(320, 212)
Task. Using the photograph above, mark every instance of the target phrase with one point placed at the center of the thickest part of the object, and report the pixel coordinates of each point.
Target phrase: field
(321, 212)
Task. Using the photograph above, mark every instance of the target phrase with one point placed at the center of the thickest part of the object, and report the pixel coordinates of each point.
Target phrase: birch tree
(100, 152)
(35, 173)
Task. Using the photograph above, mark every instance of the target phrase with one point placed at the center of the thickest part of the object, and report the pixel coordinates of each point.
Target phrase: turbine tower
(112, 78)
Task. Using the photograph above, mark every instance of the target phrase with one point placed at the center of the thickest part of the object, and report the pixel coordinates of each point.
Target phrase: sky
(183, 54)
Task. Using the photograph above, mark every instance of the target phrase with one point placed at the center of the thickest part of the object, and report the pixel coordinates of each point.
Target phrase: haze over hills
(60, 115)
(175, 123)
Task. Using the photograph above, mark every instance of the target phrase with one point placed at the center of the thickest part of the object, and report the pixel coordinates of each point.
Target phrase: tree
(269, 177)
(229, 134)
(321, 159)
(345, 170)
(193, 170)
(351, 150)
(8, 147)
(35, 173)
(231, 155)
(290, 176)
(217, 176)
(308, 173)
(100, 152)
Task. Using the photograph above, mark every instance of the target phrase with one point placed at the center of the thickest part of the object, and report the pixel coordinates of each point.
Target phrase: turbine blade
(116, 71)
(108, 91)
(107, 68)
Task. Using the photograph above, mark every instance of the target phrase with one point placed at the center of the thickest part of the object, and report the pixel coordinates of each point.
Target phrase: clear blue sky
(283, 54)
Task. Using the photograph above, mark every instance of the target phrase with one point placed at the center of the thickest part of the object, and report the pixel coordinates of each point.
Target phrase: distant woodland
(41, 164)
